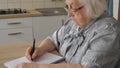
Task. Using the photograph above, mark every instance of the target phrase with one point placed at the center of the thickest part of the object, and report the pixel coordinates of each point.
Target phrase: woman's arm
(28, 65)
(47, 45)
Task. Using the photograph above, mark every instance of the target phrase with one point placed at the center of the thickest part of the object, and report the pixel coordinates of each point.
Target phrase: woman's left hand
(24, 65)
(29, 65)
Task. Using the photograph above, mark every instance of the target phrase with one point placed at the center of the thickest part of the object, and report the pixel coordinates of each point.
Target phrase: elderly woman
(89, 39)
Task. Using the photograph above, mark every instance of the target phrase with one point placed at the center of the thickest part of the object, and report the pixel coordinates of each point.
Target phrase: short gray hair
(94, 7)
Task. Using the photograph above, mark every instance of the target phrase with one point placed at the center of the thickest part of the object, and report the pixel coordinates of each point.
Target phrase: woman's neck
(82, 24)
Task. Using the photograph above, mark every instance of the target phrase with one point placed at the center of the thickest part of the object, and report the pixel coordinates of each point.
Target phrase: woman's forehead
(70, 1)
(73, 1)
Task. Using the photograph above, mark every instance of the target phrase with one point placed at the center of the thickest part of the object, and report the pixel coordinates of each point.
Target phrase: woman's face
(77, 11)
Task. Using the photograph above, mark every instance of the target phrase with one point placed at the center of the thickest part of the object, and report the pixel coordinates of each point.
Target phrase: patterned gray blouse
(97, 45)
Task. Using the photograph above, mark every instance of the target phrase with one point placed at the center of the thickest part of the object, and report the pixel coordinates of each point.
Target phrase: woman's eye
(66, 6)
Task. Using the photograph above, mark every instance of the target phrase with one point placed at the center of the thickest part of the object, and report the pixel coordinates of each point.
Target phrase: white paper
(47, 58)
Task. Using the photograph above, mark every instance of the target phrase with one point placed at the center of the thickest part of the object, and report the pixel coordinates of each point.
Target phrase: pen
(33, 49)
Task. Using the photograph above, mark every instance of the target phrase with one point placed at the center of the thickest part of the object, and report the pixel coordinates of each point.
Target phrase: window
(119, 11)
(109, 9)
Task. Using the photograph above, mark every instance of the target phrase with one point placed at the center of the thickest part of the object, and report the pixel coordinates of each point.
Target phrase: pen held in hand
(33, 49)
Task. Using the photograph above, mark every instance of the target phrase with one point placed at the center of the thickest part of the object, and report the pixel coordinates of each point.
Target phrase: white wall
(30, 4)
(115, 8)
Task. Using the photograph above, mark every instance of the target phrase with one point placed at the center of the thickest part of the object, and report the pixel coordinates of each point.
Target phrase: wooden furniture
(31, 13)
(14, 30)
(12, 51)
(20, 29)
(119, 12)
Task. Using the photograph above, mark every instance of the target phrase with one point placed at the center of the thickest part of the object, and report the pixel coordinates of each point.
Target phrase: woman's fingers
(20, 65)
(27, 54)
(35, 54)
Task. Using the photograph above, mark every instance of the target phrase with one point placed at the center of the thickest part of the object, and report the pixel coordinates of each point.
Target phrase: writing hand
(37, 53)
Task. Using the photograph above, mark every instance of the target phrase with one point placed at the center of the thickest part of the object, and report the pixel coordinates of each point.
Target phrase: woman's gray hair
(94, 7)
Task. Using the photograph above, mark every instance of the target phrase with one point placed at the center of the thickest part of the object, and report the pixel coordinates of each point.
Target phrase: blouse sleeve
(57, 36)
(103, 51)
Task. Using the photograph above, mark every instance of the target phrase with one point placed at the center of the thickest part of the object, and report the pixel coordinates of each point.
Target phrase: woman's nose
(70, 14)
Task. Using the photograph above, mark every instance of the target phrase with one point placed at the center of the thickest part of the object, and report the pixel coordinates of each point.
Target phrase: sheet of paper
(47, 58)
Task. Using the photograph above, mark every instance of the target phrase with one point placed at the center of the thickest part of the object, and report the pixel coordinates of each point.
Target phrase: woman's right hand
(37, 53)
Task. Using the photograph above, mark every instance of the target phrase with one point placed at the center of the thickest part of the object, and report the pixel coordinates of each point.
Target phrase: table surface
(13, 51)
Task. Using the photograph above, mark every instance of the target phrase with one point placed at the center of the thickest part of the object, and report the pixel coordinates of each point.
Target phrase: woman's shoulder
(107, 24)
